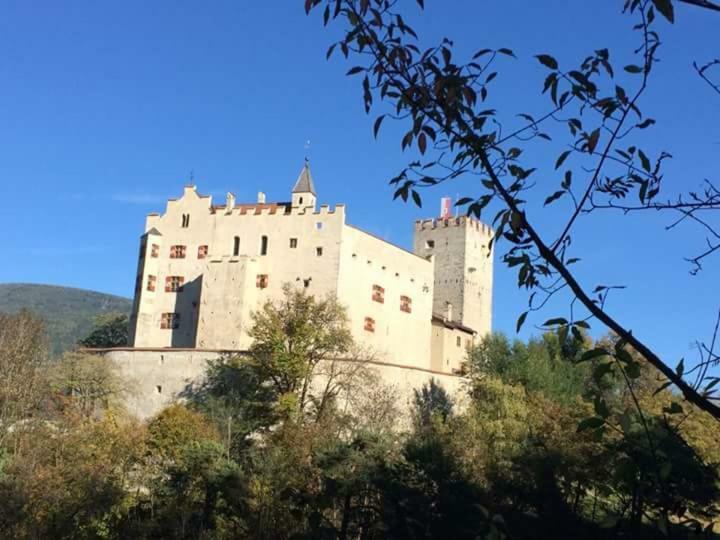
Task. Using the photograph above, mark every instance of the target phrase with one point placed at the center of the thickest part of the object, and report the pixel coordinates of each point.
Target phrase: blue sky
(106, 108)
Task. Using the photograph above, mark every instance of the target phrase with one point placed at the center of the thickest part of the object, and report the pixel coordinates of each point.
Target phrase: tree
(89, 382)
(110, 330)
(432, 401)
(23, 351)
(291, 338)
(443, 99)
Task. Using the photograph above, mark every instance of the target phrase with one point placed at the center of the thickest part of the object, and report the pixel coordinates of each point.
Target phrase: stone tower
(303, 193)
(463, 268)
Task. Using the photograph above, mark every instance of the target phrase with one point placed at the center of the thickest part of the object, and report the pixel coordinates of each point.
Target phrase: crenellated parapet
(458, 221)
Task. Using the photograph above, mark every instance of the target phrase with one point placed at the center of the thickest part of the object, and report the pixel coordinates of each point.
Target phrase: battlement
(459, 221)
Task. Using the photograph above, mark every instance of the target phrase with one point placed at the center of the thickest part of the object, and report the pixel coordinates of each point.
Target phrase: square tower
(463, 269)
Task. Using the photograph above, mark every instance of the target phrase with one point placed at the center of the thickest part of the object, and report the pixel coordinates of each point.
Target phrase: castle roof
(304, 182)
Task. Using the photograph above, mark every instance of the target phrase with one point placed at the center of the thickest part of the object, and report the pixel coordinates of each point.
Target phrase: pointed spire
(304, 182)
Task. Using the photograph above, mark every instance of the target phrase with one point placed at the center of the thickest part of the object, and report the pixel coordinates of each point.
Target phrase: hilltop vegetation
(68, 313)
(265, 448)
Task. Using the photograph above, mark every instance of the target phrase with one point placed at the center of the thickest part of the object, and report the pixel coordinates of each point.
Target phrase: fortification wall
(158, 377)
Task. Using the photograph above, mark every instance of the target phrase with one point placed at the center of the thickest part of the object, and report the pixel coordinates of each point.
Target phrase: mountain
(68, 313)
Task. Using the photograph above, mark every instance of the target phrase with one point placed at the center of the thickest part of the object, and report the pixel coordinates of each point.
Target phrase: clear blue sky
(105, 109)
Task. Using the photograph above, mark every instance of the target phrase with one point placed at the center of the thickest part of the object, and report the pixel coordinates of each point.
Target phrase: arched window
(263, 245)
(300, 200)
(236, 246)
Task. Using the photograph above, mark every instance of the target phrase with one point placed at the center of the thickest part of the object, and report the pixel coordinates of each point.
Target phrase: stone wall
(158, 377)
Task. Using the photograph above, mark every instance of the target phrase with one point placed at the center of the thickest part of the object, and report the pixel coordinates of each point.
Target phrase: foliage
(109, 330)
(91, 382)
(67, 313)
(432, 401)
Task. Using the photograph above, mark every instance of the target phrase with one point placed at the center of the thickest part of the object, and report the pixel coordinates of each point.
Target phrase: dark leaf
(633, 69)
(561, 159)
(593, 422)
(376, 127)
(547, 61)
(416, 198)
(520, 321)
(665, 8)
(593, 140)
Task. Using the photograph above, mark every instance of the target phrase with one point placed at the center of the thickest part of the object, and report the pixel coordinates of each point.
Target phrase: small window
(429, 244)
(202, 252)
(318, 251)
(306, 282)
(318, 225)
(378, 294)
(262, 280)
(236, 246)
(155, 251)
(300, 200)
(263, 245)
(174, 283)
(458, 341)
(293, 243)
(152, 280)
(170, 321)
(158, 389)
(406, 304)
(185, 221)
(177, 252)
(369, 324)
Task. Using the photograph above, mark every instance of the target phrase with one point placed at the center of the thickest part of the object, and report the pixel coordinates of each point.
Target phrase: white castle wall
(157, 378)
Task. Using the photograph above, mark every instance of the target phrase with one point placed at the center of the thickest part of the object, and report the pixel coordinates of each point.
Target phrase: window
(261, 282)
(177, 252)
(318, 251)
(174, 283)
(152, 280)
(263, 245)
(306, 282)
(369, 324)
(185, 221)
(202, 252)
(158, 389)
(300, 201)
(236, 246)
(318, 225)
(293, 243)
(429, 244)
(170, 321)
(378, 294)
(406, 304)
(154, 250)
(458, 341)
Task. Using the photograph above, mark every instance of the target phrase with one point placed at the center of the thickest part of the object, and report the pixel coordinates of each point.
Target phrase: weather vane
(307, 147)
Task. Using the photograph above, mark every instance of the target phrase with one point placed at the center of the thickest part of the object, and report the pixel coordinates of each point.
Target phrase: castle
(203, 269)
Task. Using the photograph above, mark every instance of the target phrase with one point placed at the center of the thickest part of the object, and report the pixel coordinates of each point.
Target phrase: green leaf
(601, 370)
(416, 198)
(422, 143)
(376, 127)
(674, 408)
(665, 8)
(633, 69)
(547, 61)
(593, 140)
(355, 70)
(601, 407)
(555, 322)
(561, 159)
(680, 368)
(592, 354)
(593, 422)
(463, 201)
(507, 52)
(554, 197)
(521, 321)
(662, 387)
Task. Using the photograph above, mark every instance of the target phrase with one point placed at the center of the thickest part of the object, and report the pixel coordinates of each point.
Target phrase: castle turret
(303, 194)
(462, 268)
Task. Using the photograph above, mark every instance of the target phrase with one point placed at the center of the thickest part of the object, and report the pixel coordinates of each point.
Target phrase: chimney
(261, 197)
(448, 312)
(229, 203)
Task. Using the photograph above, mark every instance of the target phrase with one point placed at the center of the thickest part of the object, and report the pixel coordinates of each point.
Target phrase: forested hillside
(67, 312)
